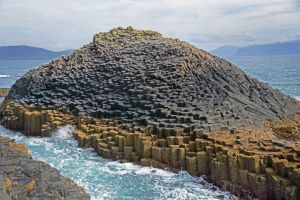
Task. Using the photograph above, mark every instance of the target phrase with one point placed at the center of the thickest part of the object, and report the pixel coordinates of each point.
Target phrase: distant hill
(278, 48)
(225, 51)
(29, 53)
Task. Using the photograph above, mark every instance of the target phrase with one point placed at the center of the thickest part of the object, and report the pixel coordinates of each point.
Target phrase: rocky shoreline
(24, 178)
(138, 97)
(250, 163)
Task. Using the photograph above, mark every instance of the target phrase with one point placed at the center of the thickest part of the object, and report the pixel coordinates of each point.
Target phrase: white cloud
(61, 24)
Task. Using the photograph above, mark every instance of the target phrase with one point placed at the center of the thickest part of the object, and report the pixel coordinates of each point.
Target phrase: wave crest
(64, 133)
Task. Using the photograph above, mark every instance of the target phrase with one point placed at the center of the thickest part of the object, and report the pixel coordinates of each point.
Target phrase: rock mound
(24, 178)
(142, 78)
(137, 96)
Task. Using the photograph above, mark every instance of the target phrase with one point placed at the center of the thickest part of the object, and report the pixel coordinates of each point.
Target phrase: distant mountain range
(278, 48)
(29, 53)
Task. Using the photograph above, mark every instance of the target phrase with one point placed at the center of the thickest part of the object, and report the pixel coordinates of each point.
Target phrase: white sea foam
(64, 132)
(154, 171)
(297, 97)
(4, 76)
(35, 142)
(125, 168)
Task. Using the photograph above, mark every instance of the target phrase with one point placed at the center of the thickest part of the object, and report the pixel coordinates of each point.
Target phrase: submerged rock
(24, 178)
(137, 96)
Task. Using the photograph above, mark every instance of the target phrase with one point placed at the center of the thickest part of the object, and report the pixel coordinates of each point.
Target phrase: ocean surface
(11, 70)
(282, 72)
(111, 180)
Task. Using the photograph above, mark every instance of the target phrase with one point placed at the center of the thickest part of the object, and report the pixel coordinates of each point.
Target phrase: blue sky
(63, 24)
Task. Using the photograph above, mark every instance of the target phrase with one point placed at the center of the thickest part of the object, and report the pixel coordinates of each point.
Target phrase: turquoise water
(104, 179)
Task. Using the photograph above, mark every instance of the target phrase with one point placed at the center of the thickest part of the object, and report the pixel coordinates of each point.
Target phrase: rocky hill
(141, 77)
(137, 96)
(24, 178)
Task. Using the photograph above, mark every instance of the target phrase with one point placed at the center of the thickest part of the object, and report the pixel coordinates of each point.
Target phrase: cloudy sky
(68, 24)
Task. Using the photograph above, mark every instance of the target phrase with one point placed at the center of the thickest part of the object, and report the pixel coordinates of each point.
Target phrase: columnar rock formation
(137, 96)
(24, 178)
(142, 78)
(4, 92)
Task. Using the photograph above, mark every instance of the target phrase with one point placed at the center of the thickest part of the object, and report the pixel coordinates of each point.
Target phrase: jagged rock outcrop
(21, 177)
(137, 96)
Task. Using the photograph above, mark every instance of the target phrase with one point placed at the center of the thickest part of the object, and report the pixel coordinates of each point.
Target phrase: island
(136, 96)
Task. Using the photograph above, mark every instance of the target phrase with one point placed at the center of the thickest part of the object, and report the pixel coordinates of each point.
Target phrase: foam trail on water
(4, 76)
(297, 98)
(105, 179)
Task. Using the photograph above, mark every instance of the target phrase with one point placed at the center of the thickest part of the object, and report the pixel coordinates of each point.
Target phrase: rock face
(137, 96)
(140, 77)
(24, 178)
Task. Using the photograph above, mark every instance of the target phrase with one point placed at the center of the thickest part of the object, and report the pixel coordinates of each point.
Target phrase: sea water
(282, 72)
(11, 70)
(105, 179)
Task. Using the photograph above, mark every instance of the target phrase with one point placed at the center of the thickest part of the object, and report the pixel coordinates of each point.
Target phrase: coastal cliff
(137, 96)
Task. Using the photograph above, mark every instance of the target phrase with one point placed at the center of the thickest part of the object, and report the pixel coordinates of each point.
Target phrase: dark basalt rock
(141, 78)
(157, 99)
(24, 178)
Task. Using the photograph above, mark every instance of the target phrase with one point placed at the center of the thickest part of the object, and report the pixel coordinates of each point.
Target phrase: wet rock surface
(142, 78)
(24, 178)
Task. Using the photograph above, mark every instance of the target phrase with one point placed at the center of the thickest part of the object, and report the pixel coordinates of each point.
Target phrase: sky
(208, 24)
